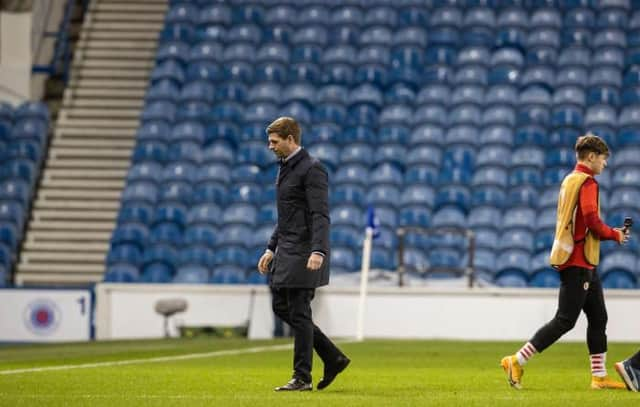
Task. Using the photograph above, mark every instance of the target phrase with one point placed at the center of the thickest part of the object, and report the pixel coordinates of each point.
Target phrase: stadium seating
(444, 114)
(23, 142)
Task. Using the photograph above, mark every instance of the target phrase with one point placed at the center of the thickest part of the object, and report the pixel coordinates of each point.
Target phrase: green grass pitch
(382, 373)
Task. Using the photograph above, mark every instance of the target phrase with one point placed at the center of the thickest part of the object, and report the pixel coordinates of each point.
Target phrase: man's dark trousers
(293, 305)
(580, 290)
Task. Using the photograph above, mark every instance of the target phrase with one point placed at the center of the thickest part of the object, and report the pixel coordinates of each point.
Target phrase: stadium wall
(127, 311)
(15, 57)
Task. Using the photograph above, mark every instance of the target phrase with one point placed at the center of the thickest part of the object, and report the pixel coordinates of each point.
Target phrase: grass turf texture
(382, 373)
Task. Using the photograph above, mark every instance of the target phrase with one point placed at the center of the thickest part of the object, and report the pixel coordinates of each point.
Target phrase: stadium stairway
(79, 194)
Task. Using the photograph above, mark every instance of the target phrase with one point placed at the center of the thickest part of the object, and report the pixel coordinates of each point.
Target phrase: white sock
(525, 353)
(598, 364)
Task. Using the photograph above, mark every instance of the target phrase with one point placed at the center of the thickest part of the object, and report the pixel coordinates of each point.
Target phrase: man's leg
(570, 300)
(299, 300)
(596, 312)
(629, 371)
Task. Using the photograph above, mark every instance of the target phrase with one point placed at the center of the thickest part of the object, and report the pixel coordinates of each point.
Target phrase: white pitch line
(230, 352)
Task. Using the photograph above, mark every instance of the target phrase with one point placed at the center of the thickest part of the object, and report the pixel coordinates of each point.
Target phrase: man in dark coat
(297, 256)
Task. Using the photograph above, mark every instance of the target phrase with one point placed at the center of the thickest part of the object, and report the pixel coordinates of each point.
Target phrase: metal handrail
(468, 233)
(61, 59)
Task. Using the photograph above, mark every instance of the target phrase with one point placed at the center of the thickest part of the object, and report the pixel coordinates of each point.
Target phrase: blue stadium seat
(12, 212)
(383, 195)
(431, 114)
(228, 274)
(255, 153)
(348, 215)
(628, 137)
(347, 236)
(523, 195)
(485, 216)
(358, 134)
(386, 173)
(348, 193)
(176, 193)
(124, 254)
(19, 168)
(241, 214)
(626, 197)
(176, 51)
(626, 176)
(158, 264)
(457, 196)
(35, 110)
(218, 152)
(513, 267)
(357, 153)
(153, 131)
(182, 13)
(473, 94)
(10, 235)
(421, 174)
(488, 195)
(517, 239)
(449, 217)
(389, 154)
(204, 214)
(427, 134)
(496, 135)
(343, 258)
(16, 191)
(619, 279)
(170, 70)
(122, 273)
(247, 192)
(546, 219)
(135, 213)
(416, 215)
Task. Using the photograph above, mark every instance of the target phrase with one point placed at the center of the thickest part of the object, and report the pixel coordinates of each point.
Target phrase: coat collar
(287, 166)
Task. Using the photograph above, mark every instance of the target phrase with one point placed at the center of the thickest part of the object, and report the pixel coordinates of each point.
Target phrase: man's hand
(315, 262)
(263, 263)
(622, 236)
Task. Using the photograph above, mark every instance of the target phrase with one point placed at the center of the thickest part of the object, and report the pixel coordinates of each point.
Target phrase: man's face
(281, 146)
(598, 162)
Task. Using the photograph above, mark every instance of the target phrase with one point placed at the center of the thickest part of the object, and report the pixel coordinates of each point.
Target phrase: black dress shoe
(330, 372)
(295, 385)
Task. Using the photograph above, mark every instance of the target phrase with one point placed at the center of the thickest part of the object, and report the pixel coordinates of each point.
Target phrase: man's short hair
(285, 126)
(590, 143)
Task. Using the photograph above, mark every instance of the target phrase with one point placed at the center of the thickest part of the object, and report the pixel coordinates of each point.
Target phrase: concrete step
(54, 215)
(33, 275)
(65, 121)
(88, 185)
(55, 194)
(89, 164)
(117, 45)
(113, 73)
(159, 7)
(125, 35)
(106, 22)
(67, 247)
(91, 53)
(53, 174)
(62, 131)
(108, 93)
(103, 103)
(40, 256)
(92, 142)
(80, 236)
(107, 84)
(72, 225)
(79, 205)
(102, 63)
(84, 153)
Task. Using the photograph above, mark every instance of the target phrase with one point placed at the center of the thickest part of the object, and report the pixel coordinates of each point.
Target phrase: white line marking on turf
(188, 356)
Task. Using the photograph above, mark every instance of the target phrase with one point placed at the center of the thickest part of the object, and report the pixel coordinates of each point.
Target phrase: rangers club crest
(42, 317)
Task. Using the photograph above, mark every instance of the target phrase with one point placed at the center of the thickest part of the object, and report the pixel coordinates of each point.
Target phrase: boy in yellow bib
(575, 254)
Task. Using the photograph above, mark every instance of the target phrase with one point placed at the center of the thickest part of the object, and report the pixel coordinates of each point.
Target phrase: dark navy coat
(302, 193)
